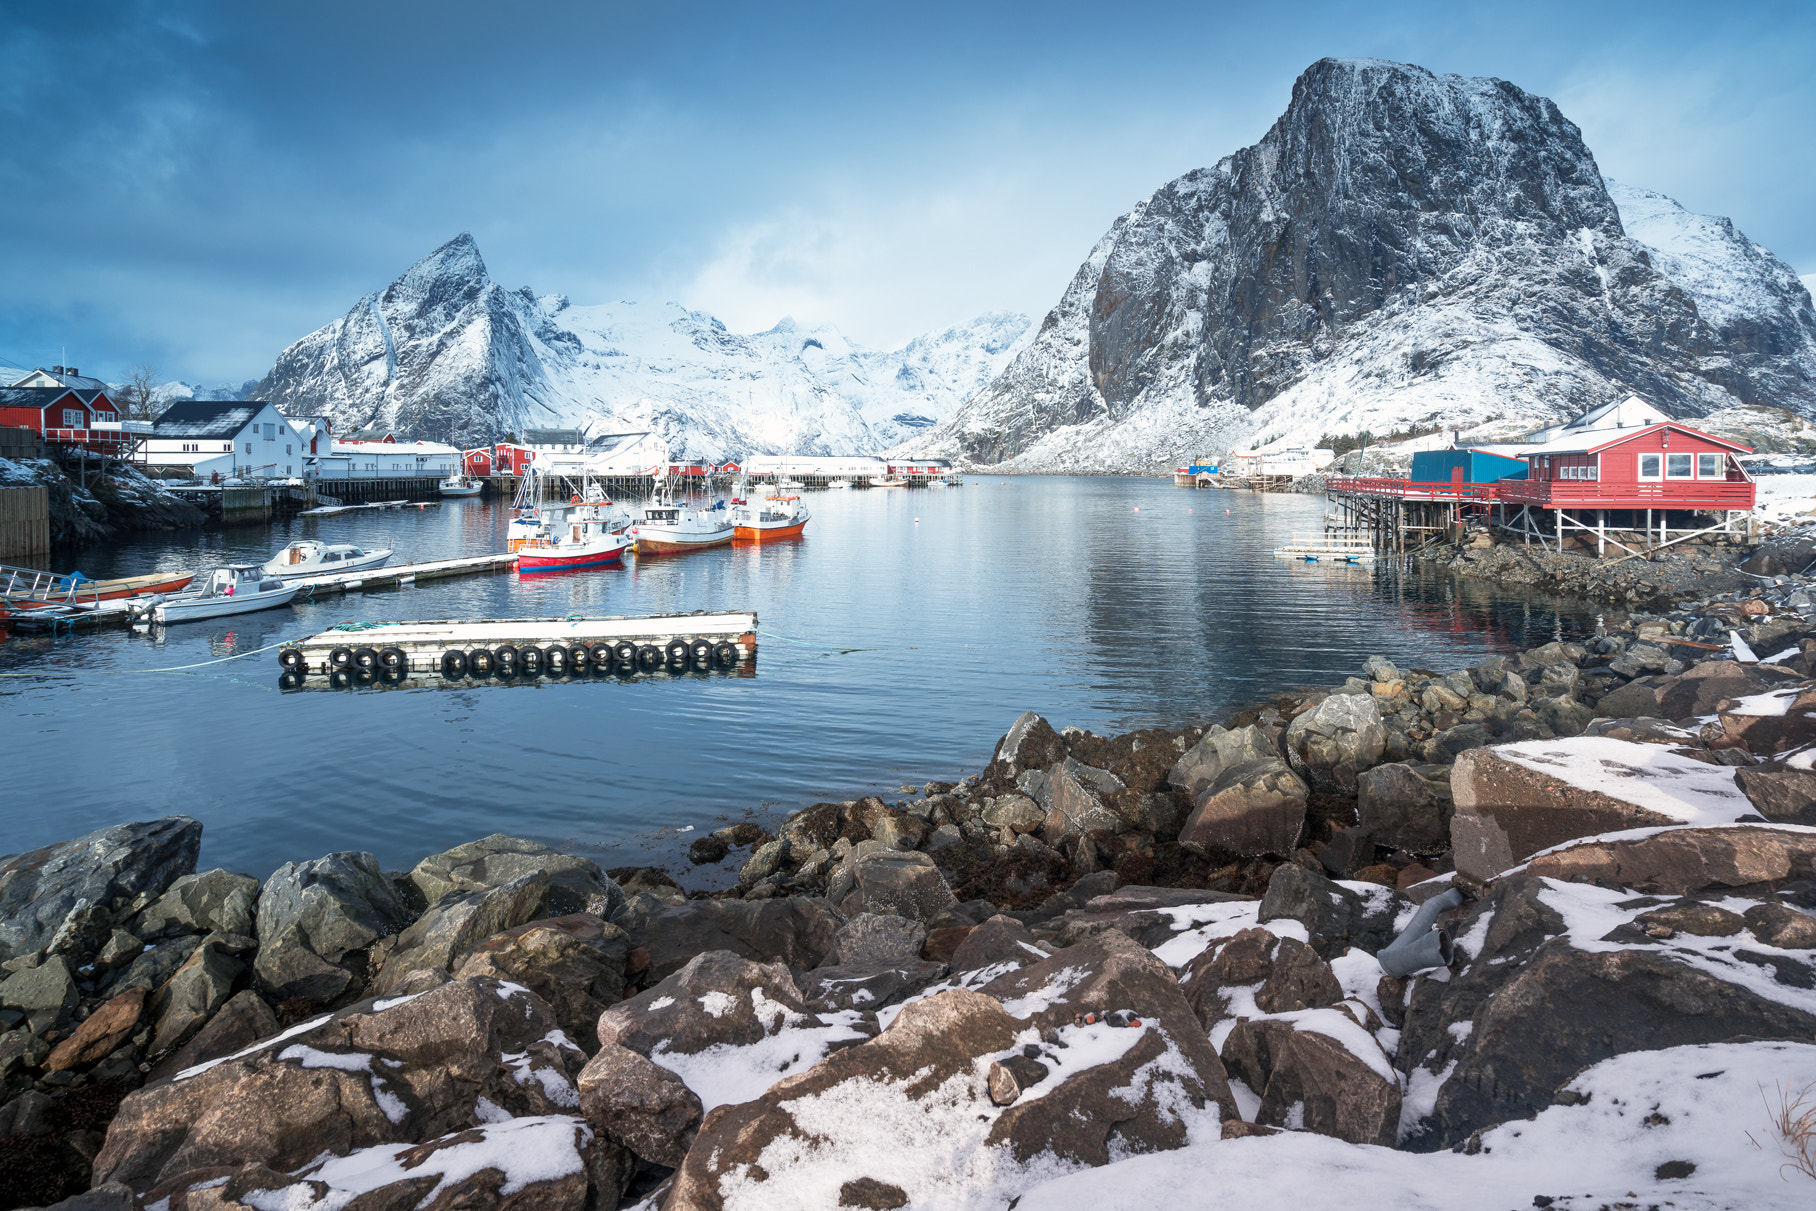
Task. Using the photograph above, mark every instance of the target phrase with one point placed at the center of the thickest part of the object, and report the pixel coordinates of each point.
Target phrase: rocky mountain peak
(1400, 250)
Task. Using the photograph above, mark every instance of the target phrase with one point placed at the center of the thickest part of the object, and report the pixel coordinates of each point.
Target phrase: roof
(79, 382)
(608, 443)
(553, 437)
(34, 397)
(1589, 441)
(208, 417)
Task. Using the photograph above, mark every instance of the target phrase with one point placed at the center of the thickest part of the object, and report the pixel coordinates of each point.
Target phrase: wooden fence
(24, 522)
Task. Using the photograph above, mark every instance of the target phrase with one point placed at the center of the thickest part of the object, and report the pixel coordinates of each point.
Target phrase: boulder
(795, 931)
(1311, 1081)
(1254, 808)
(999, 940)
(1297, 979)
(20, 1049)
(1678, 861)
(193, 993)
(869, 987)
(389, 1072)
(574, 963)
(901, 883)
(499, 859)
(45, 994)
(872, 940)
(1113, 1091)
(1334, 916)
(1405, 806)
(1564, 715)
(156, 964)
(99, 1033)
(1016, 812)
(1780, 926)
(764, 861)
(1773, 723)
(241, 1022)
(1518, 799)
(1637, 699)
(1220, 749)
(640, 1104)
(1781, 557)
(459, 921)
(1643, 730)
(215, 901)
(1639, 659)
(1073, 797)
(316, 919)
(65, 898)
(1782, 795)
(1336, 740)
(1031, 743)
(1701, 689)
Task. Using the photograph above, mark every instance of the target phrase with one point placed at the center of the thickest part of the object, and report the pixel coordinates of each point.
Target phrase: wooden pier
(1329, 546)
(401, 575)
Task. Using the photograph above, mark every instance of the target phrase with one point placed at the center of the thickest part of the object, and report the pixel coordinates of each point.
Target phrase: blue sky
(194, 185)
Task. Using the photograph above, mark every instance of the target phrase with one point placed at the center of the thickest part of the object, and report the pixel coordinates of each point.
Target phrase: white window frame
(1659, 473)
(1719, 472)
(72, 418)
(1689, 466)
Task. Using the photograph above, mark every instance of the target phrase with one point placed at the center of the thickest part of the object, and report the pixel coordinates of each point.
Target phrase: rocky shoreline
(1418, 920)
(106, 499)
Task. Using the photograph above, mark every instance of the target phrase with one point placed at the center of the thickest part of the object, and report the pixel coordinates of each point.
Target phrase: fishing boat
(786, 484)
(526, 513)
(593, 532)
(309, 557)
(31, 589)
(460, 485)
(775, 515)
(665, 525)
(888, 481)
(228, 589)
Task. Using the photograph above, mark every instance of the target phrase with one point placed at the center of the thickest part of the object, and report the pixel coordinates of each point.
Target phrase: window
(249, 447)
(1708, 466)
(1649, 465)
(228, 447)
(270, 433)
(72, 418)
(287, 450)
(1677, 466)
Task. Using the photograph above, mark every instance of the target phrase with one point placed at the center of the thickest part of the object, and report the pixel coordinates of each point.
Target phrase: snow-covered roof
(61, 378)
(1630, 413)
(207, 417)
(1589, 441)
(40, 397)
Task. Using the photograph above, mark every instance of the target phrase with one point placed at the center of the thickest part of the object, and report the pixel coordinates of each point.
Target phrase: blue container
(1479, 467)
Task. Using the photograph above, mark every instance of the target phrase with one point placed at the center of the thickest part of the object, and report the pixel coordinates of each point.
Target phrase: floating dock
(331, 510)
(389, 652)
(1328, 547)
(401, 575)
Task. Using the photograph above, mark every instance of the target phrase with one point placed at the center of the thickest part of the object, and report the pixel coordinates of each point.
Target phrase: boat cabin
(231, 579)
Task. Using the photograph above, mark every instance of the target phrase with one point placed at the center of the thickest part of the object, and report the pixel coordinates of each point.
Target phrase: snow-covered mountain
(445, 353)
(1400, 251)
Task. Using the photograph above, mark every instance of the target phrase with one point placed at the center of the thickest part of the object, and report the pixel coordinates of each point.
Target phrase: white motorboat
(666, 525)
(229, 589)
(839, 483)
(888, 481)
(308, 557)
(460, 485)
(786, 484)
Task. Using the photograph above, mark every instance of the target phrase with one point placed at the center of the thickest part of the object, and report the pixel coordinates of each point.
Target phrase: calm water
(901, 636)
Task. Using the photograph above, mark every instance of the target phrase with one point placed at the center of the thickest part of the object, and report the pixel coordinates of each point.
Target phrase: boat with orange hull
(772, 517)
(27, 589)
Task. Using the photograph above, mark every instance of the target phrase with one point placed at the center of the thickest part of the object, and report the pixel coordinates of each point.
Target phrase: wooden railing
(1381, 486)
(1646, 494)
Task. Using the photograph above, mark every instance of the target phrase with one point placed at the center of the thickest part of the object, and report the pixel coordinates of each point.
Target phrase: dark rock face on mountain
(1400, 249)
(439, 353)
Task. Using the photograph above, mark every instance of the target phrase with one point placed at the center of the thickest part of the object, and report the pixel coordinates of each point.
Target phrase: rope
(181, 668)
(823, 647)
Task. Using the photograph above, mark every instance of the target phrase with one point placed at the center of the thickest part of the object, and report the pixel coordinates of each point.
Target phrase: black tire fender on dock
(532, 660)
(479, 660)
(453, 663)
(340, 658)
(702, 652)
(677, 651)
(292, 658)
(365, 658)
(626, 652)
(725, 653)
(506, 659)
(395, 659)
(649, 653)
(579, 656)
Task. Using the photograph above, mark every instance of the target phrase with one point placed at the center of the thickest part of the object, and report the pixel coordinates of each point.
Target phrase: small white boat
(665, 525)
(309, 557)
(460, 485)
(839, 483)
(229, 589)
(888, 481)
(789, 485)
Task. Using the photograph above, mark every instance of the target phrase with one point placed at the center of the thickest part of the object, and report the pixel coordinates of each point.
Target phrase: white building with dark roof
(226, 437)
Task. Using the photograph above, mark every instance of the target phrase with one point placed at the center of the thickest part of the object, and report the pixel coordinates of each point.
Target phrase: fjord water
(900, 636)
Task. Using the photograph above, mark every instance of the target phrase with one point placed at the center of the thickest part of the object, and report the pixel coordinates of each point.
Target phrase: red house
(67, 416)
(1662, 479)
(477, 462)
(511, 459)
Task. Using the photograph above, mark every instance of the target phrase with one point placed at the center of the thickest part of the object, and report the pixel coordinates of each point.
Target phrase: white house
(1630, 413)
(388, 459)
(606, 454)
(225, 437)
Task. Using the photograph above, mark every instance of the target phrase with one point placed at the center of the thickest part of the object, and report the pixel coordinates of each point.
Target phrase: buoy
(1138, 508)
(917, 521)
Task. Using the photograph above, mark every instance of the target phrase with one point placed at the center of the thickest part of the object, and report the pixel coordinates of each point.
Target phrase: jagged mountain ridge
(1400, 250)
(447, 354)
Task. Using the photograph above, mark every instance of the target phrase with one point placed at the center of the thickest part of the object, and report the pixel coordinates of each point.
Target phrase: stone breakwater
(1179, 943)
